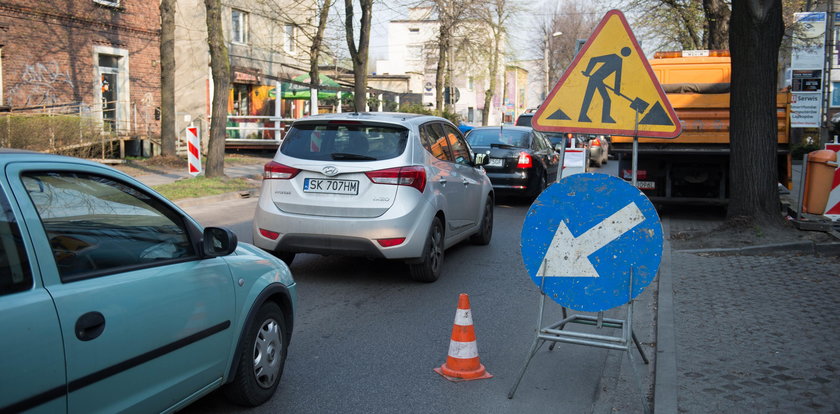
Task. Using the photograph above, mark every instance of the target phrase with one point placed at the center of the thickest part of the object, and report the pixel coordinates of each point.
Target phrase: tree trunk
(317, 41)
(494, 73)
(220, 68)
(168, 134)
(360, 55)
(717, 20)
(443, 49)
(754, 38)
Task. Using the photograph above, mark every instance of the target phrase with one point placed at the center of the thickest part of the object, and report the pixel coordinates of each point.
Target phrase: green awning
(295, 91)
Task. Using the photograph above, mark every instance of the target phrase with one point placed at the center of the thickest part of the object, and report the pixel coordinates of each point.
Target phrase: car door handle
(466, 182)
(89, 326)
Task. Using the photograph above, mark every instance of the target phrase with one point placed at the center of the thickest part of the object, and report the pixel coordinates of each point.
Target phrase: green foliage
(58, 134)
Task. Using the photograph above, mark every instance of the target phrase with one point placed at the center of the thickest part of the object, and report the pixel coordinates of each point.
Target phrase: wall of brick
(48, 53)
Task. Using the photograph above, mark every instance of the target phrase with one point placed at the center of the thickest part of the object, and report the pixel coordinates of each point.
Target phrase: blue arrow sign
(582, 236)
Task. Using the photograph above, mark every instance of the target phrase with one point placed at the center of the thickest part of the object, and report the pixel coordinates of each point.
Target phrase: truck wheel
(428, 270)
(261, 358)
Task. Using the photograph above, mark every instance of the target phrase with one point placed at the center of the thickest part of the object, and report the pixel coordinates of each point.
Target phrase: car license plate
(646, 185)
(318, 185)
(496, 162)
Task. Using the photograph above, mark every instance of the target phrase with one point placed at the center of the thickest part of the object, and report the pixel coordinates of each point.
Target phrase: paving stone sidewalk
(756, 334)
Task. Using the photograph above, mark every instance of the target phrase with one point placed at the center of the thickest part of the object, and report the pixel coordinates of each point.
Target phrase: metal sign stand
(555, 332)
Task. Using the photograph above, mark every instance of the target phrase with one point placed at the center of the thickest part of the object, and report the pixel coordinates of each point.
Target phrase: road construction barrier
(819, 174)
(462, 362)
(193, 151)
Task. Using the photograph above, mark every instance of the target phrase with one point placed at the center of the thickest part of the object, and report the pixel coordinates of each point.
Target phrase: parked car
(525, 119)
(378, 185)
(115, 300)
(521, 160)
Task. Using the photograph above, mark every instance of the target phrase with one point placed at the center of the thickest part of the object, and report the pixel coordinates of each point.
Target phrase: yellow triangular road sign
(609, 89)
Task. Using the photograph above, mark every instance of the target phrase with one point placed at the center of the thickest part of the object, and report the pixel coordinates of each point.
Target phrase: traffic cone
(462, 363)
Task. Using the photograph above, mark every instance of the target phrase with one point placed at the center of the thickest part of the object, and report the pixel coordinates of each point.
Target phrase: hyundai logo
(330, 171)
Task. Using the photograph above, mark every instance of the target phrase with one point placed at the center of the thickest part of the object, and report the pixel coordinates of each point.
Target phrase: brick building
(100, 58)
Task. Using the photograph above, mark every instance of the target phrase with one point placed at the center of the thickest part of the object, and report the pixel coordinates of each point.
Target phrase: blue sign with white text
(583, 235)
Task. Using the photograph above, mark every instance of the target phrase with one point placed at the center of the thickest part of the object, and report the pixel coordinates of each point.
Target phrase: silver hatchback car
(378, 185)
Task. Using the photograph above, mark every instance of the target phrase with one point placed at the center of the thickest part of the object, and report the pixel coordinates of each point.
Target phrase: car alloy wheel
(485, 231)
(428, 269)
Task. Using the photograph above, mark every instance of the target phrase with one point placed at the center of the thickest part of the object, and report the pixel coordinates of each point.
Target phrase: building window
(109, 3)
(470, 83)
(414, 29)
(238, 26)
(289, 38)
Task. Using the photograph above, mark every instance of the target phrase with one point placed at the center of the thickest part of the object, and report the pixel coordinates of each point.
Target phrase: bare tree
(755, 36)
(359, 55)
(220, 68)
(318, 43)
(168, 135)
(496, 16)
(558, 34)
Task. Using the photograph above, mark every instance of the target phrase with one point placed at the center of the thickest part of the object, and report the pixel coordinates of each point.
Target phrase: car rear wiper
(347, 156)
(505, 146)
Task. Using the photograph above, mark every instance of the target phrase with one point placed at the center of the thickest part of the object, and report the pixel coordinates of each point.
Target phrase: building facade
(413, 52)
(268, 43)
(99, 58)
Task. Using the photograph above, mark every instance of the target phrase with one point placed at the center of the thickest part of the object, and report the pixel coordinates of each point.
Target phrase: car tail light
(269, 234)
(414, 176)
(628, 174)
(391, 242)
(524, 161)
(276, 171)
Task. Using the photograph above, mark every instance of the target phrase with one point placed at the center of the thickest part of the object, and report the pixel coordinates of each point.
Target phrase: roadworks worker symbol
(609, 89)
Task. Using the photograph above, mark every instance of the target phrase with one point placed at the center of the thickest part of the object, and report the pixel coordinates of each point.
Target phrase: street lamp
(545, 60)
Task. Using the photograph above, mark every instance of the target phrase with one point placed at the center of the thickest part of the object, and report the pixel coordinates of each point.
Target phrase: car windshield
(344, 141)
(494, 136)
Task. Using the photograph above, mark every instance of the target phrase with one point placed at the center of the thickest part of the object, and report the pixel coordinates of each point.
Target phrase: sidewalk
(739, 333)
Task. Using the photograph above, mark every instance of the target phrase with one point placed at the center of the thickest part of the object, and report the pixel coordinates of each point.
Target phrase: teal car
(112, 299)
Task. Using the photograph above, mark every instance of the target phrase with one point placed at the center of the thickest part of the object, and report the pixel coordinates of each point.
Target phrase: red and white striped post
(193, 151)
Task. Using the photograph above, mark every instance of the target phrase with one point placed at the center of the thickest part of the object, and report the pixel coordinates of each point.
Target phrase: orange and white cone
(462, 363)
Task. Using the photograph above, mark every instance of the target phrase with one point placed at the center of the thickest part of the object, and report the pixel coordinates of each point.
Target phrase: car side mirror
(481, 159)
(217, 241)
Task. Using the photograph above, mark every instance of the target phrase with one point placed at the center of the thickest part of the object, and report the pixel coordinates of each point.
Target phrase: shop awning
(295, 91)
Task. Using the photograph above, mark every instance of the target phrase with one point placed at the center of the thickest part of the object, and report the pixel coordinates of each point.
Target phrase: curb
(807, 247)
(235, 195)
(665, 387)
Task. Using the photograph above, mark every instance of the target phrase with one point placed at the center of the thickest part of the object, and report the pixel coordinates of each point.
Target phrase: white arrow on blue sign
(583, 234)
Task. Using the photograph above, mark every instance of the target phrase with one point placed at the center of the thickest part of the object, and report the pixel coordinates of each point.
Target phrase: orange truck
(694, 167)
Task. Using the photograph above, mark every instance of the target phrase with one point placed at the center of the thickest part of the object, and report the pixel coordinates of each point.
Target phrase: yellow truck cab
(694, 167)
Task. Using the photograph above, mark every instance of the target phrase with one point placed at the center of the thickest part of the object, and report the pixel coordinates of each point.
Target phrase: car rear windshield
(524, 120)
(344, 142)
(488, 137)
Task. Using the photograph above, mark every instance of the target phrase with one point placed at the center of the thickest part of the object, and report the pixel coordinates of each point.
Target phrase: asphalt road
(367, 337)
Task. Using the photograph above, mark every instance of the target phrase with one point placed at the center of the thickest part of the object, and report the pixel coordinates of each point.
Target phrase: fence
(256, 127)
(76, 129)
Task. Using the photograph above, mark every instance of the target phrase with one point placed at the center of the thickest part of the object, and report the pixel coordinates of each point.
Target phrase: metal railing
(246, 127)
